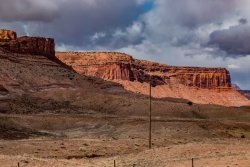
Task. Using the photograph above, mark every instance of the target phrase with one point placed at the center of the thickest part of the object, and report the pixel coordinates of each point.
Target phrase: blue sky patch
(147, 6)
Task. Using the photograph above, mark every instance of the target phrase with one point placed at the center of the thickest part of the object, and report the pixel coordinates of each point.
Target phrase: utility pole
(150, 114)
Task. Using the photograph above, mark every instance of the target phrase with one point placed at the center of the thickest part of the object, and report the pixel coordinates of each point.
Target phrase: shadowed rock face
(116, 66)
(27, 45)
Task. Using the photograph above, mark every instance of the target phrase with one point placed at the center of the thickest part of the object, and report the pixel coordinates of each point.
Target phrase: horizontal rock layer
(197, 84)
(117, 66)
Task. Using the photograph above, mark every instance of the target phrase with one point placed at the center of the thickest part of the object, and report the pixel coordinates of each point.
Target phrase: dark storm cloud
(243, 21)
(27, 10)
(79, 23)
(177, 21)
(73, 22)
(234, 41)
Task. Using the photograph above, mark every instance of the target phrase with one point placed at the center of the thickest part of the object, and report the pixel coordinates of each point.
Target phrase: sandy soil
(83, 140)
(216, 153)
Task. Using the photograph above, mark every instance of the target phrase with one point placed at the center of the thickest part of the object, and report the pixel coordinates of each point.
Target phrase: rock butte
(28, 64)
(27, 45)
(198, 84)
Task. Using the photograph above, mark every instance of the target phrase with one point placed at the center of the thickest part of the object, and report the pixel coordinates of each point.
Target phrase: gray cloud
(73, 22)
(234, 41)
(243, 21)
(192, 13)
(28, 10)
(131, 35)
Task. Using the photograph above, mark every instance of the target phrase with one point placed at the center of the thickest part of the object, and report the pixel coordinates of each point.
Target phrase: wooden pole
(150, 114)
(18, 165)
(192, 162)
(114, 163)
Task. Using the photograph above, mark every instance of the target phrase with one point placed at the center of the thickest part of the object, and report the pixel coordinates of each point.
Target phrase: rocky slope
(198, 84)
(27, 73)
(28, 64)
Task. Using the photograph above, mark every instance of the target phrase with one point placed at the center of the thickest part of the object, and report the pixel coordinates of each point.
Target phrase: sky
(210, 33)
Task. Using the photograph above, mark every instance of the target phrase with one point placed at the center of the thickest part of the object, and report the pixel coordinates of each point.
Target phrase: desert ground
(91, 140)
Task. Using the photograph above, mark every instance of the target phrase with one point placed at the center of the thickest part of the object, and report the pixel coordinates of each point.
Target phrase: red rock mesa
(198, 84)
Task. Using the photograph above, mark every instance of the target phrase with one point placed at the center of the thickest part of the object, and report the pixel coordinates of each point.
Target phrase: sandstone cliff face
(27, 45)
(198, 84)
(116, 66)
